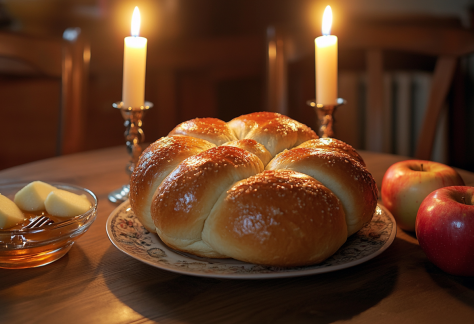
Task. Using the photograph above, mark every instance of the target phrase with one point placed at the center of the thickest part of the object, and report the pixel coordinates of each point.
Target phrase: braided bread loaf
(261, 188)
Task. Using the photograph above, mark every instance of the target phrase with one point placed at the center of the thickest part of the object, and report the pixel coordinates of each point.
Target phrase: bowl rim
(54, 226)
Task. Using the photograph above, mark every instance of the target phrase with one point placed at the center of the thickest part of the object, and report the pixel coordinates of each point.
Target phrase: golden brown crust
(275, 131)
(185, 198)
(333, 144)
(279, 218)
(253, 147)
(210, 129)
(347, 178)
(218, 201)
(155, 163)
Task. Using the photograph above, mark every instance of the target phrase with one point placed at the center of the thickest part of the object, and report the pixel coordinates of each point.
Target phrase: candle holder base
(325, 115)
(134, 137)
(119, 195)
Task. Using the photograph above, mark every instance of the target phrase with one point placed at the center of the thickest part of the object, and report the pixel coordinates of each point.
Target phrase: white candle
(134, 66)
(326, 63)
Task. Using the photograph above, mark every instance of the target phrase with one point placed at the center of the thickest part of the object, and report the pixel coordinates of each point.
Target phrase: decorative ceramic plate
(127, 233)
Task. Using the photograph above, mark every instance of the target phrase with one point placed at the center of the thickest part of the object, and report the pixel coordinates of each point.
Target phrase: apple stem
(421, 166)
(463, 200)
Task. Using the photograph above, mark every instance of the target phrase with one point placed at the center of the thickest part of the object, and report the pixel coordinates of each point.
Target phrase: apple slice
(32, 196)
(61, 203)
(10, 214)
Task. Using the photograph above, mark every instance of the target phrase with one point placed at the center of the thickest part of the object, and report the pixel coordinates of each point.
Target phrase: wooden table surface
(96, 283)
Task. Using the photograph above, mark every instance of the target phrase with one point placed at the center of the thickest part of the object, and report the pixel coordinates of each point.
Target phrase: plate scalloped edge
(129, 236)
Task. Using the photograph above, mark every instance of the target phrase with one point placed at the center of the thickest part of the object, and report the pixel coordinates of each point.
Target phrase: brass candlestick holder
(134, 137)
(325, 115)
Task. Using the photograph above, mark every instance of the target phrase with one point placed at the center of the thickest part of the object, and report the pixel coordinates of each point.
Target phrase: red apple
(445, 229)
(407, 183)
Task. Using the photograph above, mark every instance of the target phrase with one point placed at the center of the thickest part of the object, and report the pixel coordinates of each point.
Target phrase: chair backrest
(204, 78)
(66, 59)
(447, 44)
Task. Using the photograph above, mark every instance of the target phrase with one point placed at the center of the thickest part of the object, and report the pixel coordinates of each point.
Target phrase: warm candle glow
(136, 22)
(134, 65)
(326, 63)
(327, 21)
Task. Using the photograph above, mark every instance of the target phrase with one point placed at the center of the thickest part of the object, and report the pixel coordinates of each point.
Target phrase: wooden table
(96, 283)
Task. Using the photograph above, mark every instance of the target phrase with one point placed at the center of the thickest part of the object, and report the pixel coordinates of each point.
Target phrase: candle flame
(136, 22)
(327, 21)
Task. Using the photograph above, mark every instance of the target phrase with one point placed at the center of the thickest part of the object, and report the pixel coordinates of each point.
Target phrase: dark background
(206, 58)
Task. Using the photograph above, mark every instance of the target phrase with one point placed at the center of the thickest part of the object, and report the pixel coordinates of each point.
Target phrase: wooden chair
(207, 77)
(446, 44)
(28, 66)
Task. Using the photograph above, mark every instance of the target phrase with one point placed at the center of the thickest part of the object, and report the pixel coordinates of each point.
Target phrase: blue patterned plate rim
(129, 236)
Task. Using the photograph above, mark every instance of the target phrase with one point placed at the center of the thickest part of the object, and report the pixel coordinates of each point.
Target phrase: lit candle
(134, 66)
(326, 63)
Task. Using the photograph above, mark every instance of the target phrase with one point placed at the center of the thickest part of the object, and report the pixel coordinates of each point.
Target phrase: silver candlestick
(134, 136)
(326, 116)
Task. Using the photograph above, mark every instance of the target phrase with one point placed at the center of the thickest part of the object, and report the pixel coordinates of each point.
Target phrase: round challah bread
(344, 176)
(190, 192)
(274, 131)
(253, 147)
(333, 144)
(212, 130)
(261, 188)
(277, 217)
(156, 162)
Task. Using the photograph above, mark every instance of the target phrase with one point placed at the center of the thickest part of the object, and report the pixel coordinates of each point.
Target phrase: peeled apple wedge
(32, 196)
(10, 214)
(61, 203)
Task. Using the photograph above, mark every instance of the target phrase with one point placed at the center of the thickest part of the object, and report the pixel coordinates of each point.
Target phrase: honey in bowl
(22, 247)
(30, 217)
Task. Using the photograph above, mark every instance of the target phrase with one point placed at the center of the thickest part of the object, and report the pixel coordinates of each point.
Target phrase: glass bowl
(27, 248)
